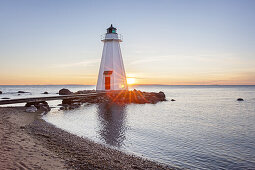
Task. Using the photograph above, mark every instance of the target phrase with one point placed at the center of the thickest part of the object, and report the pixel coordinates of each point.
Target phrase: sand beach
(28, 142)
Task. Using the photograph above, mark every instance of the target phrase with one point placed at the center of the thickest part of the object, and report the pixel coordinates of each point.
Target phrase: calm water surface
(204, 128)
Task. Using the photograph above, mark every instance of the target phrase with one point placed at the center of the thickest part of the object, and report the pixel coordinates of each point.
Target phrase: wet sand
(18, 149)
(28, 142)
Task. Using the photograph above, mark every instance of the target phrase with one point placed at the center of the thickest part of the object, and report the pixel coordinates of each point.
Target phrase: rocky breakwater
(133, 96)
(118, 97)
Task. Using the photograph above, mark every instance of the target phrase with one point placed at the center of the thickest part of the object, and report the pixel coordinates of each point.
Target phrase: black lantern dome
(111, 29)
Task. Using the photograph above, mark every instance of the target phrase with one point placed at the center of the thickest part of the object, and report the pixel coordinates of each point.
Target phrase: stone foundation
(120, 97)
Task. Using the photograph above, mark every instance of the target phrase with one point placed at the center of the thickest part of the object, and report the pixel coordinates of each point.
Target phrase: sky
(170, 42)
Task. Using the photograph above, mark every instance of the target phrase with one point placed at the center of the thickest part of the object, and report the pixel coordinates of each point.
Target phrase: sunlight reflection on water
(204, 128)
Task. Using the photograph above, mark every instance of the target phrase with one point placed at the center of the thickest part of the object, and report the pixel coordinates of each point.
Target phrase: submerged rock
(5, 98)
(240, 99)
(45, 92)
(64, 92)
(172, 100)
(1, 92)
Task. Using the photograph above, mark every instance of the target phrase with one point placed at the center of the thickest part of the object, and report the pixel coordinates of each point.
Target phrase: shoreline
(27, 141)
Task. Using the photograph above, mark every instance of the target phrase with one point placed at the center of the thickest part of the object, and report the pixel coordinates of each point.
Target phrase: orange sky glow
(180, 43)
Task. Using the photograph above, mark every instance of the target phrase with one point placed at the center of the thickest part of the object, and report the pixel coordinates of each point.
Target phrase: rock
(173, 100)
(70, 106)
(153, 99)
(64, 92)
(45, 92)
(31, 103)
(162, 94)
(5, 98)
(240, 99)
(39, 105)
(67, 101)
(1, 92)
(31, 109)
(65, 105)
(62, 108)
(45, 108)
(85, 91)
(22, 92)
(75, 105)
(134, 96)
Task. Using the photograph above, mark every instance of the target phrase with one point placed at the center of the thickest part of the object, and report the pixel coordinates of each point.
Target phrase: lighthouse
(111, 76)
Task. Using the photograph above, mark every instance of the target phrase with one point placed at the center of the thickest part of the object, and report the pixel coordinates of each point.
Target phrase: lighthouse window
(113, 31)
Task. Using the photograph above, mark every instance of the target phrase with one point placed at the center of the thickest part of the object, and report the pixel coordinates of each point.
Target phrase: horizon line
(129, 85)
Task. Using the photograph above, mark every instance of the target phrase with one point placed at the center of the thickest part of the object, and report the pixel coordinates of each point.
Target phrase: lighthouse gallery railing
(119, 37)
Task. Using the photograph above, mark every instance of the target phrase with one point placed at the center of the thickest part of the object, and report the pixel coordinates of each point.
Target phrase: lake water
(205, 128)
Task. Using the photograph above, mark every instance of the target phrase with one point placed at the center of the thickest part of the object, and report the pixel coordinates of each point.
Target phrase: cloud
(76, 64)
(150, 59)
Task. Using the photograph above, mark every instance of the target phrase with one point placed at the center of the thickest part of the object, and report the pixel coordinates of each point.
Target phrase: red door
(107, 83)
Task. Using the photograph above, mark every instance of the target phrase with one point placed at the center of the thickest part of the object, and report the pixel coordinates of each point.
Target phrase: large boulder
(64, 92)
(161, 95)
(1, 92)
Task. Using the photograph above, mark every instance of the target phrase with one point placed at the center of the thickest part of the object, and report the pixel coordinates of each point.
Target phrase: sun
(130, 80)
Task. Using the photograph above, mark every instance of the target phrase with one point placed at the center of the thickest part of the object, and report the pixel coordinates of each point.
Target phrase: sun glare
(130, 80)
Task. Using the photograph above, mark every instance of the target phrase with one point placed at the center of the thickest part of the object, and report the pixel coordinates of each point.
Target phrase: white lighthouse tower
(111, 74)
